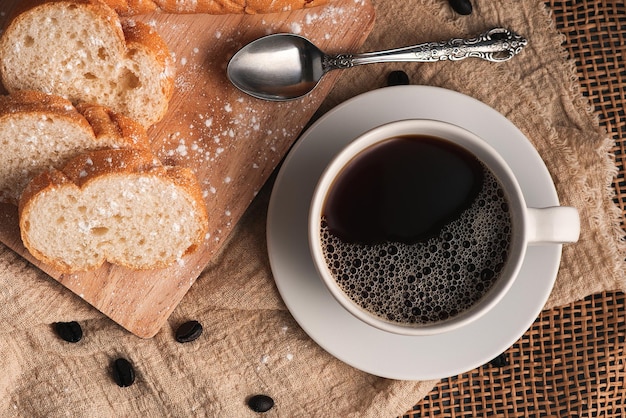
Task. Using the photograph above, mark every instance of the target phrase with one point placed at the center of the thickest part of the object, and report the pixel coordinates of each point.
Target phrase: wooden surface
(232, 141)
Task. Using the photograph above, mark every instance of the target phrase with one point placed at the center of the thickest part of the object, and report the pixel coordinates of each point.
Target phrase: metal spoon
(284, 66)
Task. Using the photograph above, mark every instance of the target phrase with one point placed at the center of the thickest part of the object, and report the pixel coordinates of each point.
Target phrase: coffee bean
(462, 7)
(260, 403)
(397, 78)
(188, 331)
(123, 372)
(500, 361)
(69, 331)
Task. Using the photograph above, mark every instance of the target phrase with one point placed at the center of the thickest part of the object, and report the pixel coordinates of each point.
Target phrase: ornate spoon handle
(495, 45)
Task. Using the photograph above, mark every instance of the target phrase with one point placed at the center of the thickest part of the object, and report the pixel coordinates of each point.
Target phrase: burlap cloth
(251, 344)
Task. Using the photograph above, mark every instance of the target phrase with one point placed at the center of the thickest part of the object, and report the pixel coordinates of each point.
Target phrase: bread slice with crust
(120, 206)
(82, 51)
(40, 131)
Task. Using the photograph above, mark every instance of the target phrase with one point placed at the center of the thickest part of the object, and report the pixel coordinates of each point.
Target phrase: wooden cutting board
(232, 141)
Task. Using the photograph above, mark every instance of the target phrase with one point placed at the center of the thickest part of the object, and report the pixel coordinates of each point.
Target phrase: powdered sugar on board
(233, 143)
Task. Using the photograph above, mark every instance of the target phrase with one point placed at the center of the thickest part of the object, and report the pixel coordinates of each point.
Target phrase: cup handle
(553, 225)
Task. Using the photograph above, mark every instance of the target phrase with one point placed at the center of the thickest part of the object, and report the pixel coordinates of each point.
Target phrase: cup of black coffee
(419, 227)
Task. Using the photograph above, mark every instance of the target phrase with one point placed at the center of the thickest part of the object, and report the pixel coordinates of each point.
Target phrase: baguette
(120, 206)
(40, 131)
(82, 51)
(134, 7)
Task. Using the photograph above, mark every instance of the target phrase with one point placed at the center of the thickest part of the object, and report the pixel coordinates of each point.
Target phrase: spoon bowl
(277, 67)
(285, 66)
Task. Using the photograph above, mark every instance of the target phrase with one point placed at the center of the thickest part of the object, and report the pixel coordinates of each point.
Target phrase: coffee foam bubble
(432, 280)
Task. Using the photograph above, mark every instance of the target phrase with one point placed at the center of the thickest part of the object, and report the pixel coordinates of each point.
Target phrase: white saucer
(324, 320)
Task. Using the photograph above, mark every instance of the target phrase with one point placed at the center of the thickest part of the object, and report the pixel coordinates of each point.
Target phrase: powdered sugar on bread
(120, 206)
(40, 131)
(82, 51)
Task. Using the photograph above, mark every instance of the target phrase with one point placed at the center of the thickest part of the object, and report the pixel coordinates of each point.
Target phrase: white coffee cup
(529, 226)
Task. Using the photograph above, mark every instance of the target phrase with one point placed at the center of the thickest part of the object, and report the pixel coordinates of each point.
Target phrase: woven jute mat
(571, 362)
(568, 364)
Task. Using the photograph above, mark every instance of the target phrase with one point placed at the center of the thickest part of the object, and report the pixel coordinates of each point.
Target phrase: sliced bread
(82, 51)
(40, 131)
(120, 206)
